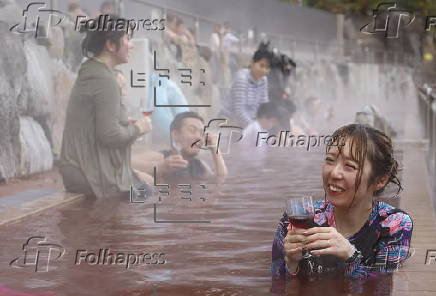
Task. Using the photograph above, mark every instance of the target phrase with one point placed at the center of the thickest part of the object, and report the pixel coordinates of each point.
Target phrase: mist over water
(232, 254)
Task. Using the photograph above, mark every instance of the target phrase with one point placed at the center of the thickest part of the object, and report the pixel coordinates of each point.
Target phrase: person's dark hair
(107, 5)
(171, 17)
(94, 42)
(73, 6)
(179, 21)
(267, 110)
(177, 122)
(369, 143)
(263, 52)
(282, 62)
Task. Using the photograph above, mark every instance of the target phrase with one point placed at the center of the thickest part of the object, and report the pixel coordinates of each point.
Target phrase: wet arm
(219, 163)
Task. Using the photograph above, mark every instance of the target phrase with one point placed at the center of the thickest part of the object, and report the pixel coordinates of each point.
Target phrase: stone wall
(34, 91)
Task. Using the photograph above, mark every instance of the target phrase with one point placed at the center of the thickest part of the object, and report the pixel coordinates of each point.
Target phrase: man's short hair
(177, 122)
(263, 52)
(267, 110)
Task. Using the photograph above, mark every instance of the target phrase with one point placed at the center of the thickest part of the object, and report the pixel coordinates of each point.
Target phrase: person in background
(176, 32)
(74, 10)
(267, 120)
(215, 40)
(310, 119)
(181, 162)
(230, 46)
(97, 139)
(72, 55)
(249, 89)
(215, 45)
(106, 7)
(167, 93)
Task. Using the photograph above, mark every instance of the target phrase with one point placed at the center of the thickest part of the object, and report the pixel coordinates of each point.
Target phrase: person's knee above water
(249, 89)
(97, 139)
(181, 161)
(356, 236)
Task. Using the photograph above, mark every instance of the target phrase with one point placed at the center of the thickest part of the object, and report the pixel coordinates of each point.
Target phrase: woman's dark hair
(177, 122)
(94, 42)
(369, 143)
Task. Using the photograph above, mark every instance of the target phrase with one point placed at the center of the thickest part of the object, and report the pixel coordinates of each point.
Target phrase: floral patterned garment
(384, 241)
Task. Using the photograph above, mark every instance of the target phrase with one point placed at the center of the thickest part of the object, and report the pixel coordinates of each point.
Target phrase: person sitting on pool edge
(357, 236)
(181, 160)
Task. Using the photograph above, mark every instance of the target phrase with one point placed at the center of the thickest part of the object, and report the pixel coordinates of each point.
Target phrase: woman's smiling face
(340, 174)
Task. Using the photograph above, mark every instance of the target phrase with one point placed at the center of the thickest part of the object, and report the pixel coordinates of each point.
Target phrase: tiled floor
(18, 206)
(416, 277)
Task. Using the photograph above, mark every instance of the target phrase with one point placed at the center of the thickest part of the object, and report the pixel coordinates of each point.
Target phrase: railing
(298, 49)
(427, 108)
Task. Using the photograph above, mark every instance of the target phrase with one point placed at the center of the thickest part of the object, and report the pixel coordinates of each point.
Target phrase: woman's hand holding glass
(144, 124)
(293, 245)
(327, 241)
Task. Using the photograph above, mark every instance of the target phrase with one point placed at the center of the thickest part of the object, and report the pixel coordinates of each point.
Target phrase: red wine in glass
(131, 120)
(301, 221)
(147, 106)
(300, 214)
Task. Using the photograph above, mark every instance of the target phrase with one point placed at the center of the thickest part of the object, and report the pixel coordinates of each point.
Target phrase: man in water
(181, 161)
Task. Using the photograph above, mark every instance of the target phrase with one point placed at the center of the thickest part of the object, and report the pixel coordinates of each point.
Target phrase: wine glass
(147, 106)
(300, 214)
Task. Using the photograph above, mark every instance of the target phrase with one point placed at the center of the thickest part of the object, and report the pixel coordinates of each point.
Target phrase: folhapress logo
(38, 253)
(430, 257)
(37, 18)
(387, 20)
(127, 259)
(213, 140)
